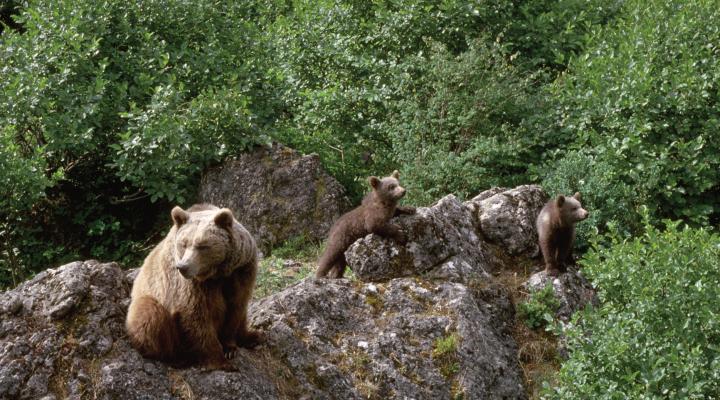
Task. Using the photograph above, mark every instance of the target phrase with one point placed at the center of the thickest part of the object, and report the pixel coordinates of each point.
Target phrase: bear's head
(571, 210)
(387, 189)
(203, 243)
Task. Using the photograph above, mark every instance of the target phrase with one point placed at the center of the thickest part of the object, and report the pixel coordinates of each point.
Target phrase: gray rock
(277, 194)
(325, 340)
(442, 243)
(507, 217)
(350, 341)
(571, 288)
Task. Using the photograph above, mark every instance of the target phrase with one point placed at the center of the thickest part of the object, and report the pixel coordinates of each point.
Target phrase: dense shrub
(460, 126)
(657, 331)
(359, 75)
(642, 108)
(106, 105)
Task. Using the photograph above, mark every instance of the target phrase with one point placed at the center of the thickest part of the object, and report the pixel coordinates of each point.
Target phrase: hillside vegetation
(110, 110)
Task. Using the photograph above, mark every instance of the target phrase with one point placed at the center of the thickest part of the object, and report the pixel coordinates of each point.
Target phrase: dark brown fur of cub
(556, 231)
(372, 216)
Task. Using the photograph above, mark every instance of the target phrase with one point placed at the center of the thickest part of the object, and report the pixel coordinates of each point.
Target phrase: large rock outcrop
(454, 240)
(402, 339)
(507, 217)
(276, 193)
(62, 336)
(426, 320)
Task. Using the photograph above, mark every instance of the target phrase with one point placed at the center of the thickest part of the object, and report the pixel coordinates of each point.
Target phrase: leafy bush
(459, 126)
(641, 106)
(107, 107)
(539, 310)
(607, 197)
(361, 76)
(657, 331)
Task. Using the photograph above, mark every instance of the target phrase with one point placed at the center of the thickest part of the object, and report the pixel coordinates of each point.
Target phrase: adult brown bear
(189, 300)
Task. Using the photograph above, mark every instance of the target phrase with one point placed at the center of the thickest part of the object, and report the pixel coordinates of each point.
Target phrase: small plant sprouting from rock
(445, 354)
(540, 308)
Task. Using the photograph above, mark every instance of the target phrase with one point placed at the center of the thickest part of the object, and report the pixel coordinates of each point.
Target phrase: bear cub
(189, 301)
(372, 216)
(556, 231)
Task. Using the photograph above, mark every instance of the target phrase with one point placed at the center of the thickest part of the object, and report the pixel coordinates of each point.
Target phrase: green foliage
(656, 334)
(275, 274)
(294, 260)
(109, 106)
(444, 355)
(460, 126)
(641, 109)
(298, 248)
(606, 196)
(548, 33)
(362, 75)
(539, 310)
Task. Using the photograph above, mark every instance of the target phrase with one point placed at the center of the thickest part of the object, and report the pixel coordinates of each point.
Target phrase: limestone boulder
(276, 193)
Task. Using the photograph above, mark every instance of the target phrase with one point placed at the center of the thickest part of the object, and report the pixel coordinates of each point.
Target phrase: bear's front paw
(250, 339)
(409, 210)
(230, 350)
(401, 238)
(223, 365)
(552, 271)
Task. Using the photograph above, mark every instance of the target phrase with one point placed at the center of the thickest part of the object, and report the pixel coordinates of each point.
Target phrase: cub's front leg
(404, 210)
(390, 231)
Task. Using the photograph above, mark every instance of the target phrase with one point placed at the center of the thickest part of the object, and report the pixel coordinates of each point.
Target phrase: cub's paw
(552, 271)
(408, 210)
(401, 238)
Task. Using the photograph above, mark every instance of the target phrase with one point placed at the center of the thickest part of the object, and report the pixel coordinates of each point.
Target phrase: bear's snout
(184, 269)
(584, 215)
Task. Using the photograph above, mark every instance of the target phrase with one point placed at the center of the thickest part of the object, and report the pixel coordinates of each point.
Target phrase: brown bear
(556, 231)
(372, 216)
(189, 301)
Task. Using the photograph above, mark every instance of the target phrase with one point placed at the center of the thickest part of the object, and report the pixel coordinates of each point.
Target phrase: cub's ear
(560, 200)
(577, 196)
(374, 182)
(179, 216)
(396, 174)
(224, 218)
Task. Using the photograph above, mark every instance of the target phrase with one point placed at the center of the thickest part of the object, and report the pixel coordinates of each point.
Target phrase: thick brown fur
(372, 216)
(556, 231)
(189, 301)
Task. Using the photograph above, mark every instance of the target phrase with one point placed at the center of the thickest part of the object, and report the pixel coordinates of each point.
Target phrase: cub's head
(202, 242)
(571, 210)
(388, 188)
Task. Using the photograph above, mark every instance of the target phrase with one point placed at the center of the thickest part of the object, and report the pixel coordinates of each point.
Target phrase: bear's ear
(560, 200)
(374, 182)
(577, 196)
(224, 218)
(396, 174)
(179, 216)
